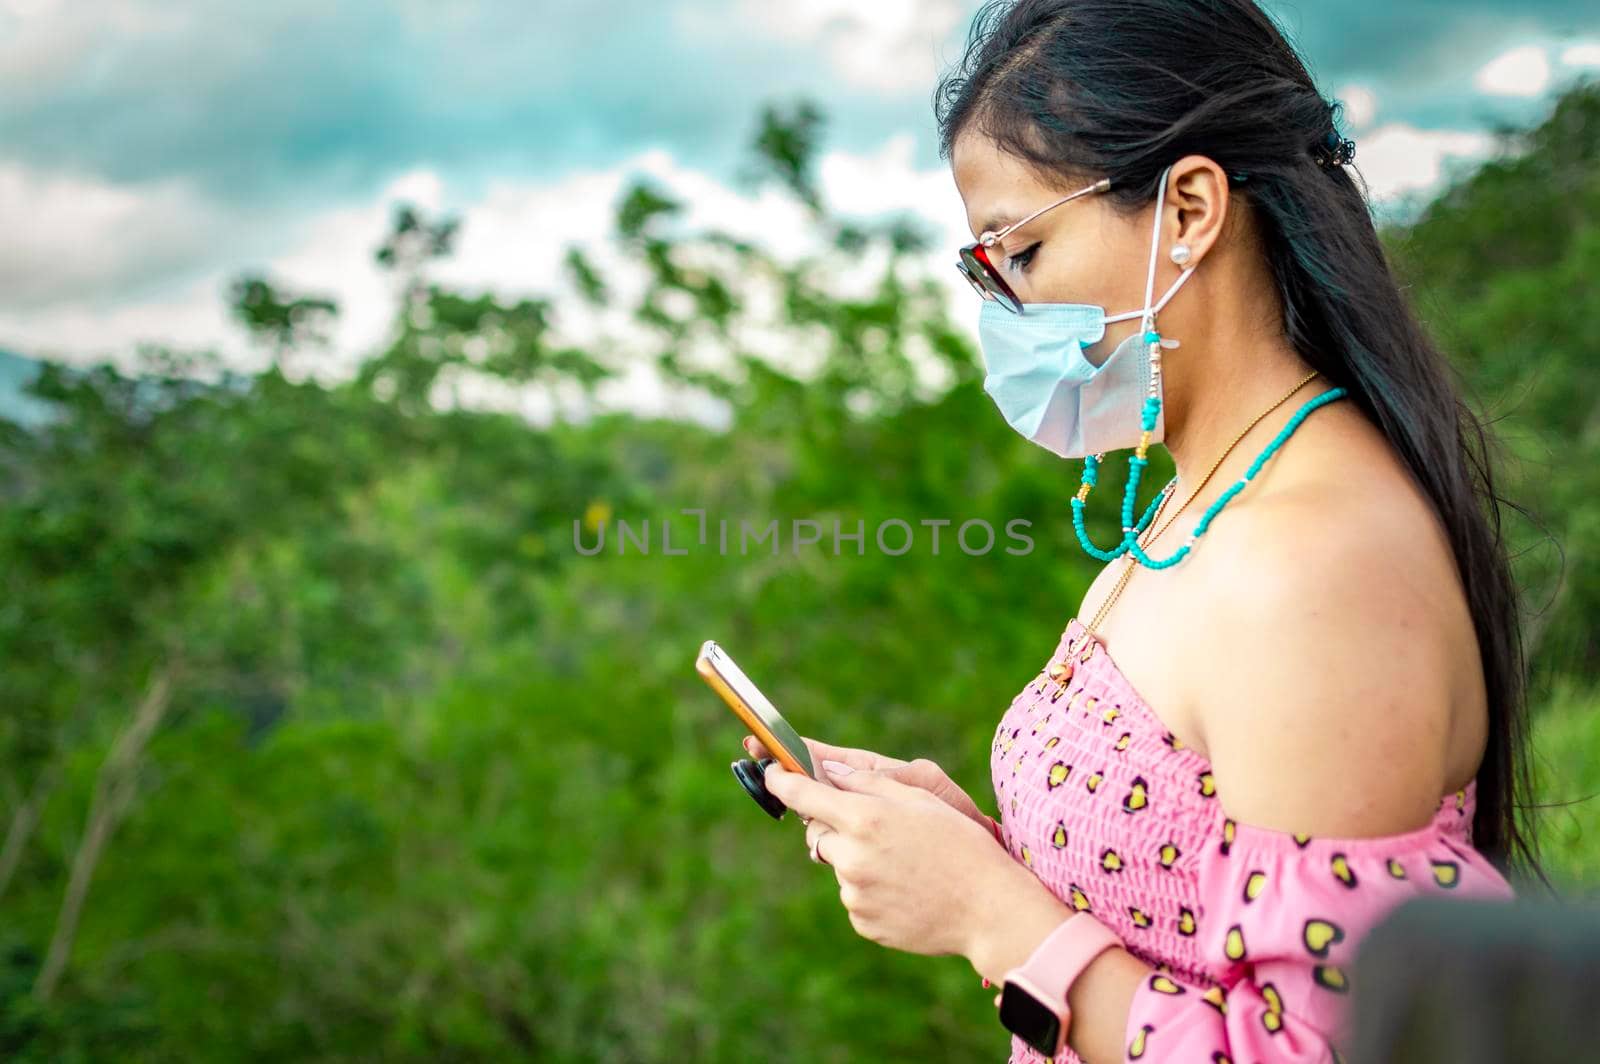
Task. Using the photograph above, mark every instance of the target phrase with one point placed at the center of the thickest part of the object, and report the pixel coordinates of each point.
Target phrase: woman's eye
(1020, 262)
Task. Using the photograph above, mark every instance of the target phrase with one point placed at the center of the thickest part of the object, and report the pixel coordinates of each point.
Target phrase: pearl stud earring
(1180, 253)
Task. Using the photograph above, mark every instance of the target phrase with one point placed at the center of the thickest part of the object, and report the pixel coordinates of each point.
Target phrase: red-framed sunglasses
(975, 266)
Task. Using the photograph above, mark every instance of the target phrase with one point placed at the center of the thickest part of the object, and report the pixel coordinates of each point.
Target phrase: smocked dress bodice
(1252, 930)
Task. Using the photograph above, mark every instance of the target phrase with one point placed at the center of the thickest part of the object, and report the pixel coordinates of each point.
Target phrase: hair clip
(1334, 150)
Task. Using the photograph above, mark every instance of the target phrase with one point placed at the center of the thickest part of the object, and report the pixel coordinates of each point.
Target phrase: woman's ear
(1198, 202)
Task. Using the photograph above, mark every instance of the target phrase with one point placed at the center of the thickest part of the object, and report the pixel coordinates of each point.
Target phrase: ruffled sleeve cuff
(1286, 913)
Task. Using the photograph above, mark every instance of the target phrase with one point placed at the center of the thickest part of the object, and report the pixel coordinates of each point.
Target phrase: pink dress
(1252, 931)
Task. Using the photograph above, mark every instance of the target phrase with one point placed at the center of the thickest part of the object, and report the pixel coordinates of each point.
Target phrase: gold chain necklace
(1127, 573)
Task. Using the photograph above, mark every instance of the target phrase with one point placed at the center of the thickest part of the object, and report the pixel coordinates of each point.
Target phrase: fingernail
(837, 768)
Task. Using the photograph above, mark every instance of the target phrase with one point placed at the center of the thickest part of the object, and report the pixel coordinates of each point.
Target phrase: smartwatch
(1033, 1004)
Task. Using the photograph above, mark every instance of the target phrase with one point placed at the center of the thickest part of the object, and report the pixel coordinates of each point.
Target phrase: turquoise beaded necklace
(1139, 460)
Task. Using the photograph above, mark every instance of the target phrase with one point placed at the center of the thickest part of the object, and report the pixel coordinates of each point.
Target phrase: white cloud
(27, 9)
(81, 244)
(889, 183)
(423, 189)
(44, 42)
(79, 238)
(1360, 106)
(770, 216)
(1523, 71)
(886, 181)
(1581, 54)
(192, 317)
(1396, 159)
(888, 45)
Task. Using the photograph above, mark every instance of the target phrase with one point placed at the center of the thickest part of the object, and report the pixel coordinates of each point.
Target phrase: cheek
(1071, 278)
(1099, 269)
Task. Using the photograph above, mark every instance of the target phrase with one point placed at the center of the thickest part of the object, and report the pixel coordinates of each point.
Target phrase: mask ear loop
(1147, 316)
(1149, 320)
(1182, 277)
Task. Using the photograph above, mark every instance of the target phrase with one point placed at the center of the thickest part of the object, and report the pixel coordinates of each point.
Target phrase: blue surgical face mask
(1050, 392)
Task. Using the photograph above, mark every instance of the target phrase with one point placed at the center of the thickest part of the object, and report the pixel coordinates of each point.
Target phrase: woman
(1312, 709)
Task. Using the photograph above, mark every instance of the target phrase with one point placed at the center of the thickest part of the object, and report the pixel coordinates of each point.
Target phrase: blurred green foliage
(323, 741)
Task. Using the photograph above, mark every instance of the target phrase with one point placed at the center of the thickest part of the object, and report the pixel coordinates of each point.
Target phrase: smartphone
(751, 706)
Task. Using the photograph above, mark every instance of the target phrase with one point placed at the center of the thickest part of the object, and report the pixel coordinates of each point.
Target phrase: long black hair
(1122, 88)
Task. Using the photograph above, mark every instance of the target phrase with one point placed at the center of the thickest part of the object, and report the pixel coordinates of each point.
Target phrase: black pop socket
(750, 774)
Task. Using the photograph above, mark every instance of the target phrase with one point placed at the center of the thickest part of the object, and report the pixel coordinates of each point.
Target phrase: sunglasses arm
(988, 239)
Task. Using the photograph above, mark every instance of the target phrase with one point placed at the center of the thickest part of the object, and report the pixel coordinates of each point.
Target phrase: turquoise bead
(1113, 555)
(1136, 467)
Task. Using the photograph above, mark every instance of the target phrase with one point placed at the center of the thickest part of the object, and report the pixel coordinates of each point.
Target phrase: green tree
(326, 743)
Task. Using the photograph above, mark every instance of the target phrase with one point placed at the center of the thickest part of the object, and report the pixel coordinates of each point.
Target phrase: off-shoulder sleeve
(1283, 915)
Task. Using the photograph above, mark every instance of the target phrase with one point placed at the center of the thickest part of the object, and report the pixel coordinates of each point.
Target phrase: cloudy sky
(151, 150)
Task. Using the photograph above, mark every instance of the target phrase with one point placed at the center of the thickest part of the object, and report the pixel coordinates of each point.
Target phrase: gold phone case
(751, 706)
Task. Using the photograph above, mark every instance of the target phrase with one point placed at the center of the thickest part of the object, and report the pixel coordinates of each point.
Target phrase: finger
(826, 846)
(916, 774)
(852, 756)
(855, 758)
(816, 829)
(881, 784)
(809, 797)
(758, 749)
(928, 776)
(849, 755)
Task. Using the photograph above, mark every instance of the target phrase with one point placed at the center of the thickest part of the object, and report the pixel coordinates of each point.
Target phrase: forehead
(996, 187)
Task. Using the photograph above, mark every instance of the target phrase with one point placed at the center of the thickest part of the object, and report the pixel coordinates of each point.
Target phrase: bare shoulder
(1322, 676)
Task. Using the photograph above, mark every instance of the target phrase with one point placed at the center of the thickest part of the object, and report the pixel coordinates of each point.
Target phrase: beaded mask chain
(1136, 463)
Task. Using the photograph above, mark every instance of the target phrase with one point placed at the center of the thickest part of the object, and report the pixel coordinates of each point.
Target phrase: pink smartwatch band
(1056, 963)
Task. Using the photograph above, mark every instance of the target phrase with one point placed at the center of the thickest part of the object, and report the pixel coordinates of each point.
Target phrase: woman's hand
(914, 873)
(921, 773)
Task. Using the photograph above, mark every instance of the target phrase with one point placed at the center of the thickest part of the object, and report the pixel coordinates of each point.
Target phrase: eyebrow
(996, 223)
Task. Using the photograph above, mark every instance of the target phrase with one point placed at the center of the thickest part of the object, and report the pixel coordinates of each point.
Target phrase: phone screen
(745, 691)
